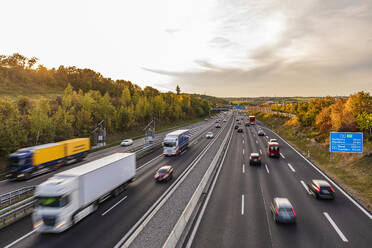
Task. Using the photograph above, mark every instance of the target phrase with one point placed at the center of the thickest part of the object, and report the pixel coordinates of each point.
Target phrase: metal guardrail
(11, 197)
(22, 206)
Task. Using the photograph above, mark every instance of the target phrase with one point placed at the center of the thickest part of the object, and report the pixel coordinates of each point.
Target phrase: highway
(7, 186)
(238, 211)
(115, 217)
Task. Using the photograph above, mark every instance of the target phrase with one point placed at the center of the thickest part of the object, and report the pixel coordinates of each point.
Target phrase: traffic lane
(8, 186)
(353, 223)
(233, 217)
(217, 225)
(141, 194)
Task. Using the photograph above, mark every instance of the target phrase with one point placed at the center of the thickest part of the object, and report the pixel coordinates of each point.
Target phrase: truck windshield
(169, 144)
(52, 202)
(274, 148)
(16, 162)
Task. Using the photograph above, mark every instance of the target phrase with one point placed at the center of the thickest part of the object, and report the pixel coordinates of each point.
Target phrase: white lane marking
(342, 236)
(23, 237)
(267, 169)
(243, 150)
(329, 179)
(243, 141)
(290, 166)
(108, 210)
(256, 142)
(260, 152)
(161, 155)
(305, 186)
(243, 168)
(242, 204)
(267, 137)
(281, 154)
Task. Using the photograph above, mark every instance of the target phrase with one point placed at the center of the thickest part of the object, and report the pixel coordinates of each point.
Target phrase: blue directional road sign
(346, 142)
(240, 107)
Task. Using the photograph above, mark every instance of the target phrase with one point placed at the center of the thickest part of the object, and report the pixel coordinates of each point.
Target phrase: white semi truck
(69, 196)
(175, 142)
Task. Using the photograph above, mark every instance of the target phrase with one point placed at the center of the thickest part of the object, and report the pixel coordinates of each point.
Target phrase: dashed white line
(305, 186)
(108, 210)
(243, 150)
(243, 168)
(242, 204)
(267, 137)
(267, 169)
(256, 142)
(281, 154)
(260, 152)
(290, 166)
(23, 237)
(342, 236)
(243, 141)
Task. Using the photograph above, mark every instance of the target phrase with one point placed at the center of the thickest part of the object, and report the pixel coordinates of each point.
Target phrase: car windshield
(52, 202)
(274, 148)
(162, 171)
(169, 144)
(16, 162)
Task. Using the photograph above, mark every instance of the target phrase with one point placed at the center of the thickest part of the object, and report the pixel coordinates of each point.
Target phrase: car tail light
(317, 189)
(250, 158)
(276, 212)
(259, 158)
(294, 213)
(332, 189)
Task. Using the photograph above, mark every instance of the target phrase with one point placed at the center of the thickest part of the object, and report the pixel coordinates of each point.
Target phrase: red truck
(252, 119)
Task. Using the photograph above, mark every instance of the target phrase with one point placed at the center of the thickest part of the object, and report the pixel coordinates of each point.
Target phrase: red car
(165, 173)
(273, 149)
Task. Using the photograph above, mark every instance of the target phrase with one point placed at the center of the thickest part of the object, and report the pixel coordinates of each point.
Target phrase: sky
(225, 48)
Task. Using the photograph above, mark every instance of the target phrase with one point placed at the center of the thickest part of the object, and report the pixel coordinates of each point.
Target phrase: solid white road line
(305, 186)
(290, 166)
(161, 155)
(342, 236)
(242, 204)
(108, 210)
(23, 237)
(281, 154)
(260, 152)
(329, 179)
(243, 168)
(267, 169)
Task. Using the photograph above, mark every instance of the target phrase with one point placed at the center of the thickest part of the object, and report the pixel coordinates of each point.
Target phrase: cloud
(172, 30)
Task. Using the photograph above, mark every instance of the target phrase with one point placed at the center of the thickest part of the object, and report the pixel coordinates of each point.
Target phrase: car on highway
(206, 119)
(261, 133)
(273, 149)
(240, 130)
(126, 142)
(247, 124)
(236, 126)
(224, 120)
(209, 135)
(273, 140)
(321, 189)
(254, 159)
(218, 125)
(164, 173)
(282, 210)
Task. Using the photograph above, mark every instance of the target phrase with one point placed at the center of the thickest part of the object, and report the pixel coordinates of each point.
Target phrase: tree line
(353, 113)
(87, 99)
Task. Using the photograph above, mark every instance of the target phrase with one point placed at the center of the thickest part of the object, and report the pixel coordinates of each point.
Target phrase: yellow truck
(25, 162)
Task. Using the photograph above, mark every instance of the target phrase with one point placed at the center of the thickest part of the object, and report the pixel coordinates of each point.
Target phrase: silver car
(126, 142)
(282, 210)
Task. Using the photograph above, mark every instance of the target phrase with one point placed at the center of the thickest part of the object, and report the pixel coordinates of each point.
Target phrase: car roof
(274, 143)
(320, 183)
(165, 167)
(283, 202)
(254, 154)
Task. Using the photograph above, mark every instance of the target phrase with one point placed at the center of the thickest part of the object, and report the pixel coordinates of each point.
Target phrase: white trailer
(69, 196)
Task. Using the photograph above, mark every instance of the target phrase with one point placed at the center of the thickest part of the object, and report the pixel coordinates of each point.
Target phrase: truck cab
(19, 164)
(273, 149)
(252, 119)
(56, 202)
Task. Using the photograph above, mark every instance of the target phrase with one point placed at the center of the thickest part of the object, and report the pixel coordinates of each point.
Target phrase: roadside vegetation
(40, 105)
(309, 133)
